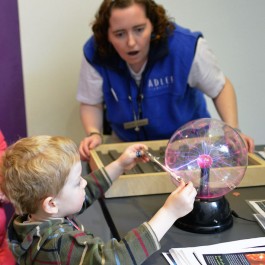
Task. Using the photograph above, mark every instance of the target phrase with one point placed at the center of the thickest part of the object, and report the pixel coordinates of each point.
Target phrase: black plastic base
(207, 217)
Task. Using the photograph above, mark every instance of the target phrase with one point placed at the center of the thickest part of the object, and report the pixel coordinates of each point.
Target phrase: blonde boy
(42, 179)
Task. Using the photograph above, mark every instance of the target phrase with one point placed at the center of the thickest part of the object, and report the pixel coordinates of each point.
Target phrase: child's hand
(3, 198)
(130, 156)
(180, 201)
(126, 161)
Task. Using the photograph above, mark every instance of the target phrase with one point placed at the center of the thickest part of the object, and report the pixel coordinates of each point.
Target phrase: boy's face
(70, 199)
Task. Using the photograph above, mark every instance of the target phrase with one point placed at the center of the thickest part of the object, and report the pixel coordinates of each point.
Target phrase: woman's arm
(226, 106)
(92, 120)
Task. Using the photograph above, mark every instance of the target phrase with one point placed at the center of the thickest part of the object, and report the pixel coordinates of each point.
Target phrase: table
(129, 212)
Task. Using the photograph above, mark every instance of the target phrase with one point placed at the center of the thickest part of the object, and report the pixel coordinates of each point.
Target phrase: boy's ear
(49, 205)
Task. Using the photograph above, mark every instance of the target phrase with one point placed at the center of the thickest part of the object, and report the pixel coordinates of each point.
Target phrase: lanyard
(137, 121)
(136, 118)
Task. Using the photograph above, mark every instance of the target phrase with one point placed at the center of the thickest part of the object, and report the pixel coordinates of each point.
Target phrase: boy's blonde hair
(35, 168)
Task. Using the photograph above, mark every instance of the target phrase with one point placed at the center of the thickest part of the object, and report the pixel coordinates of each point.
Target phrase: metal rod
(169, 170)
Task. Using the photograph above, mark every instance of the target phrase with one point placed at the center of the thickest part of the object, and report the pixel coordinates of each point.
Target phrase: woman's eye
(119, 34)
(140, 29)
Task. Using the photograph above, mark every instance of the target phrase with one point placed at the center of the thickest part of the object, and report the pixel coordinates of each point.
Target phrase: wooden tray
(144, 179)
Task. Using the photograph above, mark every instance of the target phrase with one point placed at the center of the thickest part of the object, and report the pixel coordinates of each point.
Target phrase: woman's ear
(49, 205)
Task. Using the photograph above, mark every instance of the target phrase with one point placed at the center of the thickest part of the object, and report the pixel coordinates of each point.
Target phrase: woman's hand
(249, 142)
(87, 144)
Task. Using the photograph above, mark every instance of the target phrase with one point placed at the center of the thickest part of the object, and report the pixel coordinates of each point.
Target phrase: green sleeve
(139, 244)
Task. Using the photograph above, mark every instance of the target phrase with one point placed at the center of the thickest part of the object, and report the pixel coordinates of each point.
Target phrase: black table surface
(130, 212)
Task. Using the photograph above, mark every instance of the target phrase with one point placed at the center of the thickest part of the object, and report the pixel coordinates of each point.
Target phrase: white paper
(199, 253)
(187, 256)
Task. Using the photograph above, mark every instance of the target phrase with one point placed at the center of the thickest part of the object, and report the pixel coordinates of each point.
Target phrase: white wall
(53, 33)
(52, 36)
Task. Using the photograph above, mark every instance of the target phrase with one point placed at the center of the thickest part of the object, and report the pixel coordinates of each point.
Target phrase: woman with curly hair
(150, 74)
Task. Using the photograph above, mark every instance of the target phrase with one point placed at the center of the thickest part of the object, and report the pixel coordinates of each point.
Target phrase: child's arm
(100, 180)
(139, 243)
(178, 204)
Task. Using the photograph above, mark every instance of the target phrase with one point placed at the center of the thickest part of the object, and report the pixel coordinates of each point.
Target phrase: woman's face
(130, 33)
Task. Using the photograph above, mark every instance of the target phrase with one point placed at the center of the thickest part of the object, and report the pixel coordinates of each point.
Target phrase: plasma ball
(204, 161)
(210, 154)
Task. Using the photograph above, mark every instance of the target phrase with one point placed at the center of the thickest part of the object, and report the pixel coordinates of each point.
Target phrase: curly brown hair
(162, 25)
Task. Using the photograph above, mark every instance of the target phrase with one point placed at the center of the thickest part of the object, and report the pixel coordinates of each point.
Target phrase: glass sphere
(210, 154)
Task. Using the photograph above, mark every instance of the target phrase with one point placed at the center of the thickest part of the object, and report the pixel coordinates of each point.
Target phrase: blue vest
(163, 97)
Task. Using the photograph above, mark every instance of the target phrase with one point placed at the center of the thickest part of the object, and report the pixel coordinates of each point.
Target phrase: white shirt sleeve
(205, 73)
(90, 83)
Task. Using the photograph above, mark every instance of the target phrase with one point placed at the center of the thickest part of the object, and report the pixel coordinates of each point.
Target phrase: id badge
(135, 124)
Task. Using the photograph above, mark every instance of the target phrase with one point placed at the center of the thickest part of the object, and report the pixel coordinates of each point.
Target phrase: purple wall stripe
(12, 103)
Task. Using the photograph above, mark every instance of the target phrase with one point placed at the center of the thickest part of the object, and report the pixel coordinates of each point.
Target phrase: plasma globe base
(207, 217)
(213, 156)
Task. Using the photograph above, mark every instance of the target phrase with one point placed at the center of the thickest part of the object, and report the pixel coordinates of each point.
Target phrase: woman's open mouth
(133, 53)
